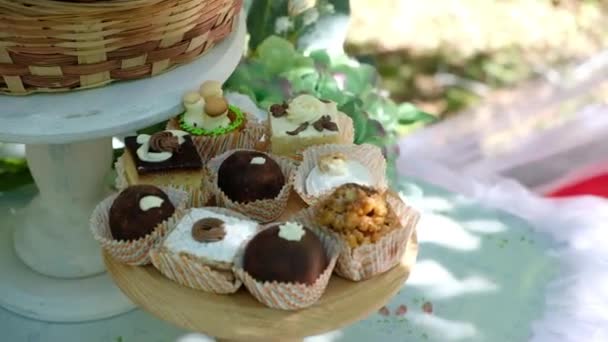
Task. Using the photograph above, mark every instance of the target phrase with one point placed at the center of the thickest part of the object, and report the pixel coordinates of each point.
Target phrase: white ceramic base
(69, 155)
(52, 234)
(43, 298)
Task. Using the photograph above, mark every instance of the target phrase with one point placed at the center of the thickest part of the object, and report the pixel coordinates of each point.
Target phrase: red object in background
(596, 185)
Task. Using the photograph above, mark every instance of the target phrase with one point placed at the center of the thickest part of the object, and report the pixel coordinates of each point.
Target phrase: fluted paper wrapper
(134, 252)
(368, 155)
(265, 210)
(210, 146)
(197, 196)
(369, 260)
(194, 272)
(291, 296)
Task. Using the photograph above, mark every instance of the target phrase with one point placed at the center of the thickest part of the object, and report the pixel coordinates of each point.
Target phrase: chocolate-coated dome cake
(286, 253)
(247, 176)
(137, 211)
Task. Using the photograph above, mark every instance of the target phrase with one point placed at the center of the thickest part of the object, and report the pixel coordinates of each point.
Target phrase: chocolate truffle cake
(164, 158)
(247, 176)
(137, 211)
(286, 253)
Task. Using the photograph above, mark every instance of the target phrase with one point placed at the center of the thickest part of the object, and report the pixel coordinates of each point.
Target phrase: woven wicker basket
(51, 46)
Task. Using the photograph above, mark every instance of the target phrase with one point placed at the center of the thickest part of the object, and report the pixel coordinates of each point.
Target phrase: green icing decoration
(240, 117)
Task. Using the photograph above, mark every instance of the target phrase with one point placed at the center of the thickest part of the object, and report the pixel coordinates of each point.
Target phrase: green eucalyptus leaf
(328, 89)
(278, 55)
(321, 58)
(358, 79)
(409, 114)
(359, 117)
(261, 19)
(302, 80)
(14, 173)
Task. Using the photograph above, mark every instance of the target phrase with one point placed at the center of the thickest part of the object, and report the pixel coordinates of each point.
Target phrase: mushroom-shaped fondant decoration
(215, 113)
(194, 104)
(210, 89)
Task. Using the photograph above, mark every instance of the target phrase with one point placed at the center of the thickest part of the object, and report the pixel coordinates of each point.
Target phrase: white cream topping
(258, 161)
(194, 112)
(143, 152)
(335, 167)
(237, 232)
(307, 108)
(319, 182)
(148, 202)
(291, 231)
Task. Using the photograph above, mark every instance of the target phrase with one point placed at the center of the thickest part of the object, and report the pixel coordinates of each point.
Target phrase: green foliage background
(280, 64)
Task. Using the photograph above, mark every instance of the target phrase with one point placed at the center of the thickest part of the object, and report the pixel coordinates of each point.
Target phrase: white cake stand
(69, 153)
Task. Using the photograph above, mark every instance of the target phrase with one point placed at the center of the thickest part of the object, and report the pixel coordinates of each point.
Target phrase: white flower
(310, 16)
(329, 8)
(282, 25)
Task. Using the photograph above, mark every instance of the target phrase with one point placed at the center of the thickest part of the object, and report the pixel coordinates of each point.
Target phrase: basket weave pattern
(49, 46)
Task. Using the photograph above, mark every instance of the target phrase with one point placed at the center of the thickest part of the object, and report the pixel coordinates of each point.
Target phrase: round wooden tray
(241, 317)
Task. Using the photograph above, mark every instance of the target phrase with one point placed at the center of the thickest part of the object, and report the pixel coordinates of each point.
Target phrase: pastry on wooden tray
(374, 228)
(286, 265)
(216, 125)
(254, 183)
(326, 167)
(128, 224)
(200, 251)
(306, 121)
(165, 158)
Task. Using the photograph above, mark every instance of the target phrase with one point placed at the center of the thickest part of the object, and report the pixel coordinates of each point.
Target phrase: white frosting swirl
(148, 202)
(307, 108)
(319, 182)
(143, 152)
(291, 231)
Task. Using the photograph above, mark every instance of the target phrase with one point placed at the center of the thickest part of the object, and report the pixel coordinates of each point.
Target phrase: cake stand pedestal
(55, 272)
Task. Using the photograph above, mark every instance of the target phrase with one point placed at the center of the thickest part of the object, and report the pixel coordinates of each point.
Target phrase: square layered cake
(303, 122)
(165, 158)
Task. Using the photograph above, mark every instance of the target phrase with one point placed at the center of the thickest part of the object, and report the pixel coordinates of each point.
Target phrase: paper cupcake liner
(197, 196)
(291, 296)
(368, 260)
(134, 252)
(368, 155)
(210, 146)
(265, 210)
(194, 272)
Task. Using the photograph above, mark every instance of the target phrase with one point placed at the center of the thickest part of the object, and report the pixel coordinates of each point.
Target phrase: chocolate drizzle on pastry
(300, 129)
(325, 123)
(164, 142)
(208, 230)
(184, 158)
(279, 110)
